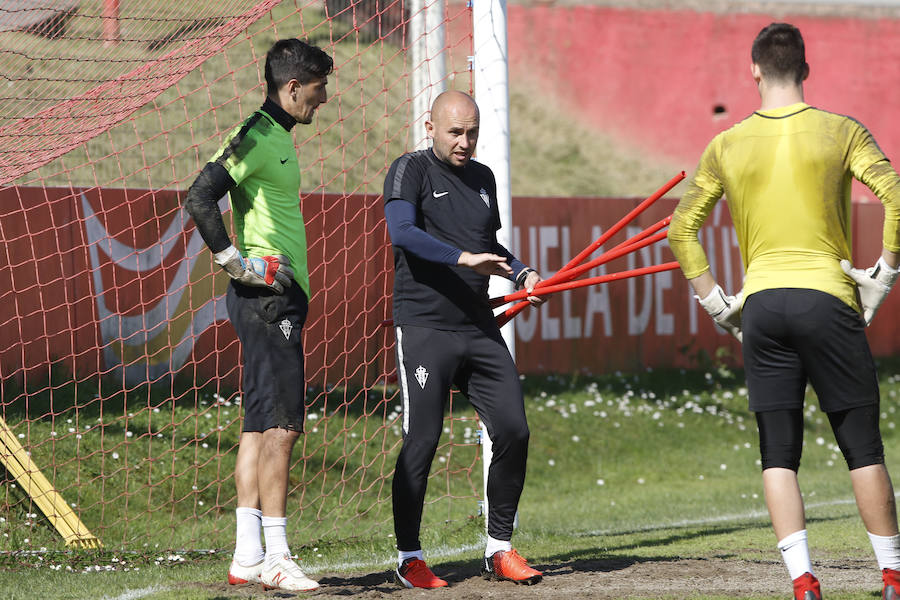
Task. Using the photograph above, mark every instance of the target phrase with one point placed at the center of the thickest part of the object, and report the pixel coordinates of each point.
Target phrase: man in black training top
(267, 299)
(442, 216)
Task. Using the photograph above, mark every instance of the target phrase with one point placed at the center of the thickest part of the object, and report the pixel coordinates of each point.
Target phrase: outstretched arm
(401, 222)
(523, 276)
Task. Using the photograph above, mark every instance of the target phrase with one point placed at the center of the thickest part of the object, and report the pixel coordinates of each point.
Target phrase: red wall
(653, 77)
(105, 279)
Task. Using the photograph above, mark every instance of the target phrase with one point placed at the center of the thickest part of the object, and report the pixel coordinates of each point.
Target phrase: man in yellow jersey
(267, 299)
(786, 173)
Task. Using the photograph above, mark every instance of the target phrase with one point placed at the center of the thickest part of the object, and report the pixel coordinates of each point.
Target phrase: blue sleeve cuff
(514, 263)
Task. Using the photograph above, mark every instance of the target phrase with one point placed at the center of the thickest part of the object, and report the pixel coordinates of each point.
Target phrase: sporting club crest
(421, 376)
(286, 328)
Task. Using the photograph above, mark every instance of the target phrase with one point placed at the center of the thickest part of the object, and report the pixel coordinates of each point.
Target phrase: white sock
(248, 550)
(494, 545)
(795, 552)
(275, 532)
(402, 555)
(887, 550)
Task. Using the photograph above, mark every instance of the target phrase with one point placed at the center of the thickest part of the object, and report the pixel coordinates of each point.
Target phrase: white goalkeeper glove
(874, 284)
(273, 272)
(725, 310)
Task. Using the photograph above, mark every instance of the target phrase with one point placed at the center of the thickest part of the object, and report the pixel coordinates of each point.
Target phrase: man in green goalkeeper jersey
(267, 299)
(786, 172)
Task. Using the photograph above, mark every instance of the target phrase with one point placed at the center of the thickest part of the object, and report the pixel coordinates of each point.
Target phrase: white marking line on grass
(137, 594)
(753, 514)
(439, 552)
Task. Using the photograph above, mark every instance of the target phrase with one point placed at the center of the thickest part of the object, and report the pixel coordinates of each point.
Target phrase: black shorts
(270, 327)
(795, 335)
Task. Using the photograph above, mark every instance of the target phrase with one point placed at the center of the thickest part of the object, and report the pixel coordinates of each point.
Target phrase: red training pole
(618, 226)
(649, 231)
(571, 285)
(504, 317)
(620, 250)
(560, 275)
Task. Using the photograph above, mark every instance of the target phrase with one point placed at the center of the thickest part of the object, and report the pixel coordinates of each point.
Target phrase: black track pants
(429, 361)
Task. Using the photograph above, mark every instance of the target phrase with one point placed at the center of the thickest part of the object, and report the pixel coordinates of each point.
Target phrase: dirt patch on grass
(598, 579)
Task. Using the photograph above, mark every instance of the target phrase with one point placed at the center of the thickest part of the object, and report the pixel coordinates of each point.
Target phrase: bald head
(453, 102)
(453, 127)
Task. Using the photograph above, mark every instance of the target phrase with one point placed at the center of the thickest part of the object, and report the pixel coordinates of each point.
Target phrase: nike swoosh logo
(284, 160)
(436, 195)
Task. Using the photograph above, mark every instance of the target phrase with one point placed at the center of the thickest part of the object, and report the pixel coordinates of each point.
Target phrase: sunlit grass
(656, 465)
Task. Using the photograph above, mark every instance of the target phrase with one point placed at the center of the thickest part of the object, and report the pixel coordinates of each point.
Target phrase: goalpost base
(16, 460)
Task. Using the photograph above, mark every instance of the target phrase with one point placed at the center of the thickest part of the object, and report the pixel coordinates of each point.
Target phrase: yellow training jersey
(786, 176)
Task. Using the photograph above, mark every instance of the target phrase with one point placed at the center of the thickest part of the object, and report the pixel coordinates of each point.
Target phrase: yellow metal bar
(52, 504)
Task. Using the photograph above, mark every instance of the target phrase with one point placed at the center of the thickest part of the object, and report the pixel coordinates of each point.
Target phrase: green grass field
(640, 468)
(152, 467)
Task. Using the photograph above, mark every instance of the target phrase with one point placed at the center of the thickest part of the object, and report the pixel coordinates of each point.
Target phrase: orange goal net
(120, 372)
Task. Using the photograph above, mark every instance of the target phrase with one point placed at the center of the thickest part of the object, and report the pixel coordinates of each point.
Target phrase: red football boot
(509, 566)
(414, 573)
(806, 587)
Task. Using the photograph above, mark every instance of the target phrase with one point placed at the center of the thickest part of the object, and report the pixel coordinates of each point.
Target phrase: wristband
(229, 253)
(522, 276)
(884, 273)
(715, 302)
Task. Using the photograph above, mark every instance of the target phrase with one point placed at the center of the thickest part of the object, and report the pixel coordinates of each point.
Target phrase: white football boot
(284, 574)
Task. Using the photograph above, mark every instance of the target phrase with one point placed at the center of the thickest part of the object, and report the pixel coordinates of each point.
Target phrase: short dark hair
(780, 53)
(293, 59)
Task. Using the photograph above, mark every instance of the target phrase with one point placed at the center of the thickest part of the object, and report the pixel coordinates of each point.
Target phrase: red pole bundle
(630, 245)
(619, 251)
(617, 227)
(505, 317)
(566, 273)
(571, 285)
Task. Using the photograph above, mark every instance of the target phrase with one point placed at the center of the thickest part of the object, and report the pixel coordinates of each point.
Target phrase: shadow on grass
(453, 572)
(379, 581)
(457, 572)
(609, 559)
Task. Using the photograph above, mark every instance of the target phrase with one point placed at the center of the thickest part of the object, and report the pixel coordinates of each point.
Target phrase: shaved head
(453, 127)
(452, 102)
